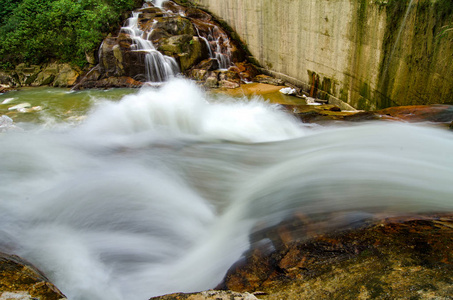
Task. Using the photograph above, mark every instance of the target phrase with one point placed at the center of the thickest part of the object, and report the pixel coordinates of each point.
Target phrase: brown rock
(209, 64)
(197, 74)
(175, 25)
(268, 80)
(212, 82)
(48, 74)
(110, 82)
(247, 71)
(4, 88)
(67, 76)
(394, 258)
(20, 279)
(228, 84)
(27, 74)
(420, 113)
(208, 295)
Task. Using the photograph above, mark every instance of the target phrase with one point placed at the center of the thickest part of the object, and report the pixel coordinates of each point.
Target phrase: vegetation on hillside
(38, 31)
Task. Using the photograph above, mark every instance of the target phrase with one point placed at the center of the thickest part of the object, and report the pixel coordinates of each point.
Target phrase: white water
(158, 3)
(158, 193)
(159, 67)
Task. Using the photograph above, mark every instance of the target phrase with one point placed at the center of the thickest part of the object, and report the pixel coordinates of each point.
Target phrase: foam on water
(158, 193)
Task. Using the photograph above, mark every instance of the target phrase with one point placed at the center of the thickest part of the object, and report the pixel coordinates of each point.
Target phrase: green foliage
(36, 31)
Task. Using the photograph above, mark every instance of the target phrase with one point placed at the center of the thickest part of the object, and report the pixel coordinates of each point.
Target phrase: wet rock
(208, 295)
(67, 76)
(288, 91)
(209, 64)
(20, 106)
(229, 75)
(228, 84)
(110, 82)
(212, 81)
(188, 49)
(419, 113)
(47, 75)
(198, 75)
(27, 74)
(247, 71)
(4, 88)
(318, 113)
(268, 80)
(21, 280)
(197, 51)
(8, 80)
(393, 258)
(175, 26)
(118, 58)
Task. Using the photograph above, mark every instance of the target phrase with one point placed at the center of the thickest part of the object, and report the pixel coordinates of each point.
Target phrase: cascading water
(158, 193)
(218, 44)
(159, 67)
(158, 3)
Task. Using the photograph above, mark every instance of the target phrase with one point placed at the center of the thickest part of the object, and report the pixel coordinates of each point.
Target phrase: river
(128, 194)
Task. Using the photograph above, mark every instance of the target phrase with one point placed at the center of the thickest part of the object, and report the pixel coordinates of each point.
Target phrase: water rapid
(158, 192)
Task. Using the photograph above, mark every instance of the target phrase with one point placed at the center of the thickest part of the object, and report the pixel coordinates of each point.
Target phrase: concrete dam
(369, 53)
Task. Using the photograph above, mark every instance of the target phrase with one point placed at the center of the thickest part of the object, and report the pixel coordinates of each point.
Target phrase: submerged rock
(21, 280)
(390, 259)
(419, 113)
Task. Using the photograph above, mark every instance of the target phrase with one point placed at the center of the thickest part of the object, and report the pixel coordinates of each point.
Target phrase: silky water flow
(158, 193)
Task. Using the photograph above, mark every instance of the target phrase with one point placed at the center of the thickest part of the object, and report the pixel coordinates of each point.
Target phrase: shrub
(36, 31)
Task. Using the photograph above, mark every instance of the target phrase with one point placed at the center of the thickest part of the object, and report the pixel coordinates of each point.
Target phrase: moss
(376, 288)
(344, 94)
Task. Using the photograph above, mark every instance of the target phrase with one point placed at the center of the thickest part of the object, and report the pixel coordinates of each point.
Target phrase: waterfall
(218, 44)
(158, 3)
(158, 193)
(159, 67)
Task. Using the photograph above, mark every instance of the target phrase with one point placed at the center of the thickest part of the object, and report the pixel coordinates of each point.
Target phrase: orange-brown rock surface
(407, 258)
(21, 280)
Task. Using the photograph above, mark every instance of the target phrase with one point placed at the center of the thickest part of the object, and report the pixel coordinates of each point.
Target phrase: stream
(129, 194)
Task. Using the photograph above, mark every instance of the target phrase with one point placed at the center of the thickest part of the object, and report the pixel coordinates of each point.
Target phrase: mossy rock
(175, 25)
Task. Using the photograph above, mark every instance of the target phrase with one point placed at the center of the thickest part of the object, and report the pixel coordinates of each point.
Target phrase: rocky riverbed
(303, 257)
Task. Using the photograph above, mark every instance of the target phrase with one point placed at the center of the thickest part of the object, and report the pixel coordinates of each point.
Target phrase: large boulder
(21, 280)
(47, 75)
(419, 113)
(175, 25)
(394, 258)
(118, 58)
(8, 79)
(189, 50)
(109, 82)
(67, 76)
(27, 73)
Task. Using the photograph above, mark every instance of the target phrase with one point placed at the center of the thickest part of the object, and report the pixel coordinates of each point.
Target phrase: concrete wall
(369, 53)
